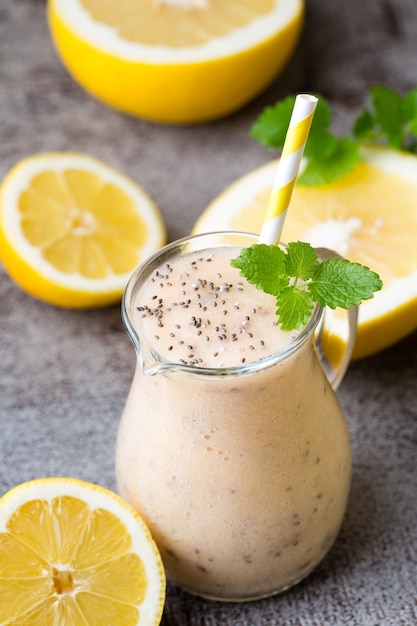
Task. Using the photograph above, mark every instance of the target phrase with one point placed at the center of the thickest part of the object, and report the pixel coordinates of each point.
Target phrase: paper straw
(289, 164)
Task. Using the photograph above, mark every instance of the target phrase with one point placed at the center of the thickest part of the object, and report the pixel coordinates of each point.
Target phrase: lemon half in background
(369, 216)
(175, 61)
(73, 229)
(73, 553)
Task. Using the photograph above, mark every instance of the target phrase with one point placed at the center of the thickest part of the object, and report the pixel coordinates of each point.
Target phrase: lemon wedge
(72, 229)
(369, 216)
(73, 553)
(175, 61)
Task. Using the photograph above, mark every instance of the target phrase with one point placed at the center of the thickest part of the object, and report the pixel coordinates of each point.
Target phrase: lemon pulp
(343, 216)
(73, 229)
(175, 24)
(368, 216)
(73, 553)
(81, 224)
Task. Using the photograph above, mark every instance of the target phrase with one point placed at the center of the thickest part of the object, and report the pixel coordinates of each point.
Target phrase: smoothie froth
(199, 311)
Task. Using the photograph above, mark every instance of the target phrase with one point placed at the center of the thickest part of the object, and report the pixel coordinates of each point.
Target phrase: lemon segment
(73, 229)
(175, 24)
(74, 553)
(368, 216)
(175, 62)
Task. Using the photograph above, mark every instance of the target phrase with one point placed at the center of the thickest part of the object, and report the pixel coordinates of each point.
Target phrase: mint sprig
(389, 120)
(298, 280)
(327, 157)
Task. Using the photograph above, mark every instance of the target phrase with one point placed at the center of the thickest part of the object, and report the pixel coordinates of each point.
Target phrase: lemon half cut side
(175, 61)
(73, 553)
(72, 228)
(369, 216)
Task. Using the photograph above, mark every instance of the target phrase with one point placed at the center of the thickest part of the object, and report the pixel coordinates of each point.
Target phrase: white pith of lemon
(72, 228)
(175, 61)
(73, 553)
(369, 216)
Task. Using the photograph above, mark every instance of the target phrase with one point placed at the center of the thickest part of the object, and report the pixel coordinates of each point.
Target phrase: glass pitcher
(242, 473)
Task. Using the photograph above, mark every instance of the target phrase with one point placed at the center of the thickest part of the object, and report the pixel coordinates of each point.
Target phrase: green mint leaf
(327, 158)
(410, 115)
(298, 280)
(364, 127)
(322, 171)
(412, 126)
(410, 105)
(271, 127)
(341, 283)
(321, 144)
(322, 116)
(301, 260)
(388, 114)
(264, 266)
(390, 120)
(294, 307)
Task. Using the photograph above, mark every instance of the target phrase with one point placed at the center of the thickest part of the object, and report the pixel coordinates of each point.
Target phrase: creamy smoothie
(242, 473)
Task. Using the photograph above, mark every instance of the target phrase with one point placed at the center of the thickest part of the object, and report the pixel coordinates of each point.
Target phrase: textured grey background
(64, 375)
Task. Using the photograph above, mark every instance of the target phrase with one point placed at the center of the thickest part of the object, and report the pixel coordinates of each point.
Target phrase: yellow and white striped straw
(289, 164)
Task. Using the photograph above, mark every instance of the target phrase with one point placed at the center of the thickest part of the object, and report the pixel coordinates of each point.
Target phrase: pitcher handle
(335, 334)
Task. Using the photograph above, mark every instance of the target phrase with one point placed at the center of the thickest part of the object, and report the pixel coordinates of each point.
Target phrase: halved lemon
(72, 228)
(73, 553)
(369, 216)
(175, 61)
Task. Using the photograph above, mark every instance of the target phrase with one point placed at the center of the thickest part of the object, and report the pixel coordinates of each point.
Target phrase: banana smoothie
(232, 446)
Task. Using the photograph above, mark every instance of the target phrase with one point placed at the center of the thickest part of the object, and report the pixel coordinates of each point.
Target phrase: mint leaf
(301, 260)
(410, 105)
(263, 266)
(388, 114)
(321, 144)
(294, 307)
(410, 114)
(327, 157)
(321, 171)
(322, 116)
(341, 283)
(297, 279)
(385, 121)
(363, 127)
(271, 127)
(389, 120)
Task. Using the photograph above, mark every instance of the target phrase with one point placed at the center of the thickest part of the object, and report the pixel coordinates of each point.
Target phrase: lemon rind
(142, 541)
(19, 177)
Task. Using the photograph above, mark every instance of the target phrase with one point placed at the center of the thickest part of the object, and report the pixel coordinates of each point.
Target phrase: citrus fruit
(175, 61)
(368, 216)
(72, 229)
(73, 553)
